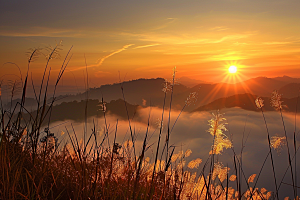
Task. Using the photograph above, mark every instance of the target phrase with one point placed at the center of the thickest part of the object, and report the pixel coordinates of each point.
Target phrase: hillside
(149, 91)
(76, 110)
(247, 102)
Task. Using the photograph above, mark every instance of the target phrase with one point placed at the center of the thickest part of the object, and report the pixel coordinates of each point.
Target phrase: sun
(232, 69)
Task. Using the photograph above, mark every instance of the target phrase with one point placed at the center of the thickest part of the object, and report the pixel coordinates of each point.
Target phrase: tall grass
(35, 165)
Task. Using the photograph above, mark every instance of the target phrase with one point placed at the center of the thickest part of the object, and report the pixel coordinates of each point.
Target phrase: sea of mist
(245, 128)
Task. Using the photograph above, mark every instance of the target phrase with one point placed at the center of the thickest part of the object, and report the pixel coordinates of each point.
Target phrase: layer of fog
(190, 132)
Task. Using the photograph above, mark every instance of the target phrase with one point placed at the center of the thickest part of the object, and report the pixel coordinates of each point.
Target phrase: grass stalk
(289, 155)
(270, 150)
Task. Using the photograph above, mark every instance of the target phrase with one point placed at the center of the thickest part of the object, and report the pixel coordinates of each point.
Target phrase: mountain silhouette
(247, 102)
(191, 82)
(76, 110)
(260, 86)
(135, 92)
(290, 90)
(148, 92)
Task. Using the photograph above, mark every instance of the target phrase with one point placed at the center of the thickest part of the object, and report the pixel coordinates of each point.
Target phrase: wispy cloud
(169, 21)
(230, 37)
(145, 46)
(100, 61)
(219, 28)
(240, 43)
(276, 43)
(184, 39)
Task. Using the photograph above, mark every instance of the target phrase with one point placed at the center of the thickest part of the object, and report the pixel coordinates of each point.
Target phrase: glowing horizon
(199, 38)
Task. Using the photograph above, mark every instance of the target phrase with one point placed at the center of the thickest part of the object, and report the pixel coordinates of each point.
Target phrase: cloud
(100, 61)
(170, 20)
(276, 43)
(219, 28)
(145, 46)
(183, 39)
(231, 37)
(240, 43)
(190, 132)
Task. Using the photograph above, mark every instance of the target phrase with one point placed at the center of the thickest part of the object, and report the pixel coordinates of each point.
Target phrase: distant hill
(260, 86)
(136, 92)
(247, 102)
(244, 101)
(191, 82)
(149, 92)
(30, 104)
(287, 79)
(76, 110)
(290, 90)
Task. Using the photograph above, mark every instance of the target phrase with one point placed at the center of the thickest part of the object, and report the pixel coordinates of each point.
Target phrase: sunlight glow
(232, 69)
(231, 83)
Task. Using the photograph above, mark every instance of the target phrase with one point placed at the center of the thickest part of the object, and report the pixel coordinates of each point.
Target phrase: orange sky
(147, 39)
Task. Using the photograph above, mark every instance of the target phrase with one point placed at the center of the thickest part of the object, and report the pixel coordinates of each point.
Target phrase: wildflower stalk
(211, 169)
(236, 162)
(294, 157)
(295, 142)
(227, 183)
(237, 180)
(169, 119)
(105, 123)
(158, 143)
(242, 149)
(62, 70)
(277, 104)
(141, 158)
(190, 99)
(112, 153)
(41, 111)
(260, 172)
(131, 133)
(220, 141)
(86, 102)
(289, 155)
(214, 126)
(259, 104)
(30, 59)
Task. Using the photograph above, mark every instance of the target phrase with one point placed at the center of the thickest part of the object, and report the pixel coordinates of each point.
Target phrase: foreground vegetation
(34, 164)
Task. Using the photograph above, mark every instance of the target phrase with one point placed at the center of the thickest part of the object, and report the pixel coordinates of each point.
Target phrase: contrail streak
(113, 53)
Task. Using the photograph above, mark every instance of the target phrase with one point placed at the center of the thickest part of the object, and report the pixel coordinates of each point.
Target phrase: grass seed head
(232, 177)
(167, 87)
(187, 153)
(191, 99)
(33, 54)
(251, 178)
(194, 163)
(263, 190)
(216, 129)
(159, 123)
(278, 142)
(259, 102)
(174, 157)
(276, 100)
